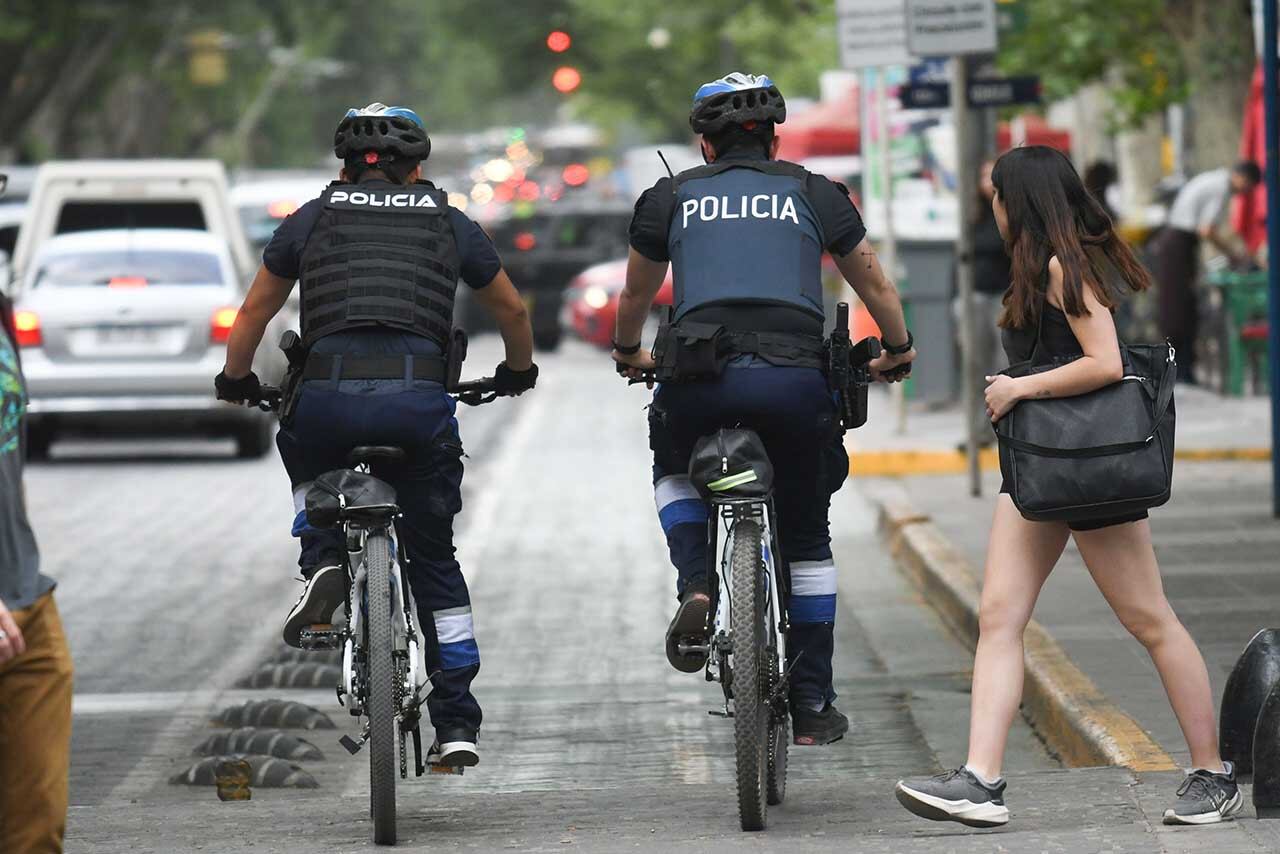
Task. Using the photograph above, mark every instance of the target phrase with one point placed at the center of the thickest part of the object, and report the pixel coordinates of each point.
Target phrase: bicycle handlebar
(473, 393)
(862, 354)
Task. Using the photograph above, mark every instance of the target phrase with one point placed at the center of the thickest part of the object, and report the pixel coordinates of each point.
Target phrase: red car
(592, 300)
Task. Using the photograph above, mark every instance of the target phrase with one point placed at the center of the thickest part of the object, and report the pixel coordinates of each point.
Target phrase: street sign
(987, 92)
(872, 33)
(951, 27)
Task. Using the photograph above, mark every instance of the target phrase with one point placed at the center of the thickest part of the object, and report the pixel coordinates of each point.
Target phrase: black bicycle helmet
(393, 131)
(736, 99)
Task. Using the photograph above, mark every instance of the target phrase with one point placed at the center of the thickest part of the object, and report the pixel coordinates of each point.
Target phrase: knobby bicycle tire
(751, 716)
(381, 689)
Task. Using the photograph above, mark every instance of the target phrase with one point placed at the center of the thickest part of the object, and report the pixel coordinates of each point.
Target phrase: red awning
(826, 128)
(1039, 132)
(1249, 213)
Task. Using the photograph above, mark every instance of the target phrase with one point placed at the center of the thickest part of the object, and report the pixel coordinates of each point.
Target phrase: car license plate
(129, 336)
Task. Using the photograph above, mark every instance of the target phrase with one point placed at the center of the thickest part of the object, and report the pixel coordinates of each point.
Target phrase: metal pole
(1271, 98)
(889, 257)
(965, 190)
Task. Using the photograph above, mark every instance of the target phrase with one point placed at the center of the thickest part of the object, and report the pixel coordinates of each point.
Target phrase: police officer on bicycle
(379, 256)
(745, 235)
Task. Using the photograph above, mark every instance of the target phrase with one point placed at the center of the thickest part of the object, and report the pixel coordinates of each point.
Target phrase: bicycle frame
(728, 512)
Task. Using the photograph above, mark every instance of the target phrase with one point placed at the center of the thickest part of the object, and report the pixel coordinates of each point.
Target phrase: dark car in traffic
(544, 249)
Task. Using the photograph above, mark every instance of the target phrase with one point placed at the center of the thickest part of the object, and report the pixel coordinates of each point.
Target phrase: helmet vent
(383, 128)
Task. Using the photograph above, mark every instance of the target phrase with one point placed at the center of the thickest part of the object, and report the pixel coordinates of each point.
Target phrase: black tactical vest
(380, 255)
(744, 231)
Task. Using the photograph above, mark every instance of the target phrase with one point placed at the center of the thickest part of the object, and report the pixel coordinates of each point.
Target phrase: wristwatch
(898, 351)
(626, 351)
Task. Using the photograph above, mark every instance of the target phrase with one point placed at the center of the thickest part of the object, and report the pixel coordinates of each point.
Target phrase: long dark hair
(1050, 213)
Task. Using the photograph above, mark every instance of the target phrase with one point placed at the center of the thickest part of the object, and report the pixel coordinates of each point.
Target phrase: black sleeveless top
(1056, 339)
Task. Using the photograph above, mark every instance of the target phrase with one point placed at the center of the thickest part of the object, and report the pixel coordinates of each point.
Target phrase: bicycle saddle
(376, 454)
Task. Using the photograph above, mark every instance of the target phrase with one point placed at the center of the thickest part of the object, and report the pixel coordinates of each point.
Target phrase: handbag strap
(1163, 400)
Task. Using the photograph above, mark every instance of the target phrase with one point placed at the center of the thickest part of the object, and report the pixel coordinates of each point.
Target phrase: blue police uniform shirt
(478, 260)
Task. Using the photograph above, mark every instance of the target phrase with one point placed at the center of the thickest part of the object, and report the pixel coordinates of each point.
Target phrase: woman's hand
(1003, 393)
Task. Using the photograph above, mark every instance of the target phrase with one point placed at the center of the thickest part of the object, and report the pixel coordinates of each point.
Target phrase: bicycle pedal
(321, 636)
(352, 746)
(693, 648)
(719, 713)
(436, 768)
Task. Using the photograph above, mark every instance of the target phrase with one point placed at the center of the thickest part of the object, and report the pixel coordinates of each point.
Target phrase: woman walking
(1068, 263)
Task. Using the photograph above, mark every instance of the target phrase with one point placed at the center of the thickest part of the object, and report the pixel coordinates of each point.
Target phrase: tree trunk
(1216, 40)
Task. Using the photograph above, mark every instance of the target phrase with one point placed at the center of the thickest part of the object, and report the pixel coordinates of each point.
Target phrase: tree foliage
(1151, 53)
(118, 77)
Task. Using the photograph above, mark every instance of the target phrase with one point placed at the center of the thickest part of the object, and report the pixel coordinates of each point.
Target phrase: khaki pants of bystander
(35, 734)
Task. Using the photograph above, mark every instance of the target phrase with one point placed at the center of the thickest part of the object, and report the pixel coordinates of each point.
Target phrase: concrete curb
(1064, 706)
(904, 463)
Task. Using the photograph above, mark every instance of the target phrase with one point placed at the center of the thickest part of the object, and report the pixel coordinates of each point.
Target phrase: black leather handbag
(1105, 453)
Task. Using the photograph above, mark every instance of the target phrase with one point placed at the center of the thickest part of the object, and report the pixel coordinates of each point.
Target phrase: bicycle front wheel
(751, 717)
(381, 689)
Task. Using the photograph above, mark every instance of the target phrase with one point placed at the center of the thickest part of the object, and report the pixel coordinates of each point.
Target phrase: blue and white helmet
(392, 131)
(736, 99)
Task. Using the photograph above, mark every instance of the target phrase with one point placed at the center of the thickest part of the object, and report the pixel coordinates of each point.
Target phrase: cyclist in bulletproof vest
(745, 235)
(379, 255)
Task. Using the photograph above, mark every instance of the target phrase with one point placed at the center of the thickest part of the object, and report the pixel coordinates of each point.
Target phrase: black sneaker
(325, 590)
(689, 626)
(954, 796)
(454, 748)
(810, 728)
(1206, 798)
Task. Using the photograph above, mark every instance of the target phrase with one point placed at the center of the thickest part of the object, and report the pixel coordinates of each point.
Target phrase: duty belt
(339, 367)
(793, 347)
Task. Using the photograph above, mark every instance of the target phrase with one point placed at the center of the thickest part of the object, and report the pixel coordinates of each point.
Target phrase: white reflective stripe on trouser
(813, 592)
(813, 578)
(673, 488)
(300, 496)
(454, 625)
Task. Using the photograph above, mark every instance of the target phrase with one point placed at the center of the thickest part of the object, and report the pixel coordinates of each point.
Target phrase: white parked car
(125, 330)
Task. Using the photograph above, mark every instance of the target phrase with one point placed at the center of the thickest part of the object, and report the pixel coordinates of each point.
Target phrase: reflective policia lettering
(382, 200)
(761, 206)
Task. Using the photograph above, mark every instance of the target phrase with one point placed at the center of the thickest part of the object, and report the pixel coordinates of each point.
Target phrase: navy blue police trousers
(794, 414)
(332, 418)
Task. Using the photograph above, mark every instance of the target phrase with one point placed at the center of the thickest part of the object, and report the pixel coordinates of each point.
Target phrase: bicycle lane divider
(1077, 721)
(478, 516)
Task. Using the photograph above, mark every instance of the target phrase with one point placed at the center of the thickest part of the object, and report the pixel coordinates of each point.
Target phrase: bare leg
(1020, 556)
(1123, 565)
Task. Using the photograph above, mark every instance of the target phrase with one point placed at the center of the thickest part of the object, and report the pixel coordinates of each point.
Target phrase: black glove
(508, 382)
(247, 388)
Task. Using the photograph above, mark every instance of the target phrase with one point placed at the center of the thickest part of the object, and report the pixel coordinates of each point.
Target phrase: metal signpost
(873, 34)
(957, 29)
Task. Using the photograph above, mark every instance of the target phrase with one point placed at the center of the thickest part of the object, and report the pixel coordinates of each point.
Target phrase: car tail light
(524, 241)
(26, 325)
(223, 320)
(127, 282)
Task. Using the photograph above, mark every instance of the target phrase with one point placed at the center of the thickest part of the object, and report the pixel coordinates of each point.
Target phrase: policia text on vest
(759, 206)
(382, 200)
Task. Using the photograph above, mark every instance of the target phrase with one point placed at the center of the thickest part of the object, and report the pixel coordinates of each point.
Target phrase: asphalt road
(175, 567)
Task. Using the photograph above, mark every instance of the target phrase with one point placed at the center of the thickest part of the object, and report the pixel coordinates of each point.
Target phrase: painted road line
(906, 463)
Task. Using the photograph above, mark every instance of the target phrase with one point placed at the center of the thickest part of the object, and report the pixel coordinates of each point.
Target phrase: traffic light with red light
(566, 78)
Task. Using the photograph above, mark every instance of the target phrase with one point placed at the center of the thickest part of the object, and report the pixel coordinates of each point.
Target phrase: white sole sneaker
(454, 754)
(324, 592)
(966, 812)
(1228, 811)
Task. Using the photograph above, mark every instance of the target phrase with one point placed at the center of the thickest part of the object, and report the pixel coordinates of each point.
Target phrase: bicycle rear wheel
(751, 717)
(381, 702)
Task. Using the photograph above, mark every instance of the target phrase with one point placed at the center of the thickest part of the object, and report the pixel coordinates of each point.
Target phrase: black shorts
(1095, 524)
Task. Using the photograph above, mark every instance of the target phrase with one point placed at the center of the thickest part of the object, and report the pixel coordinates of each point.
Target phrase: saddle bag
(335, 494)
(731, 463)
